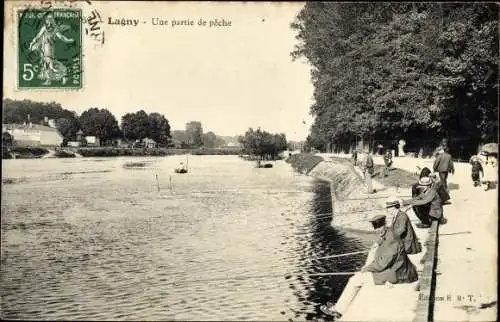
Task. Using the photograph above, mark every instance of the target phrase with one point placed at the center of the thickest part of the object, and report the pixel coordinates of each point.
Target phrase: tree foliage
(100, 123)
(417, 71)
(140, 125)
(263, 144)
(194, 132)
(209, 140)
(21, 111)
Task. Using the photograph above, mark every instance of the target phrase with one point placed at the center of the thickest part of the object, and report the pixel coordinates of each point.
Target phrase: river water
(104, 239)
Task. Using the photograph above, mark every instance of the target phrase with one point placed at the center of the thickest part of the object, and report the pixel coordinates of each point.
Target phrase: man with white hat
(390, 264)
(428, 196)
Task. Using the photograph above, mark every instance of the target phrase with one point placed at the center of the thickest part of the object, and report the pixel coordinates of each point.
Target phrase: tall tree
(209, 140)
(20, 111)
(418, 71)
(194, 133)
(68, 127)
(159, 128)
(262, 143)
(100, 123)
(139, 125)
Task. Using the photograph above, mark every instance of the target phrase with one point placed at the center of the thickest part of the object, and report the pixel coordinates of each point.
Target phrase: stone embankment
(352, 206)
(457, 267)
(458, 263)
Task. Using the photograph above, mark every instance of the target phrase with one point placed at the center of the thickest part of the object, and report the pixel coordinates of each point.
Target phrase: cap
(378, 221)
(425, 181)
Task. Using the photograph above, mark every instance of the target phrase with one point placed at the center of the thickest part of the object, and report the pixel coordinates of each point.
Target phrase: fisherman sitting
(429, 197)
(390, 264)
(402, 227)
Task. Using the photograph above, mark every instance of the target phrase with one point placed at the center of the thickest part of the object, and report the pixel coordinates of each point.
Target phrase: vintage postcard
(262, 161)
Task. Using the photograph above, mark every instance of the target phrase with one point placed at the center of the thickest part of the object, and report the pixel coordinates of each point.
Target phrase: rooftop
(31, 126)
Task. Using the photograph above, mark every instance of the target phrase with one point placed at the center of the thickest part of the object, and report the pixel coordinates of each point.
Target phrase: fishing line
(243, 265)
(286, 276)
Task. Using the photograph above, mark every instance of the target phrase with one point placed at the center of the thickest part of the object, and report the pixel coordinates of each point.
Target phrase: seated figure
(402, 227)
(389, 263)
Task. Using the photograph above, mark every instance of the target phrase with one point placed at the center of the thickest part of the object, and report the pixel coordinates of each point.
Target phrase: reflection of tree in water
(323, 240)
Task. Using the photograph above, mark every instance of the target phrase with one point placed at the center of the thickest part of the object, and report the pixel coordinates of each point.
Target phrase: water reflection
(90, 239)
(324, 241)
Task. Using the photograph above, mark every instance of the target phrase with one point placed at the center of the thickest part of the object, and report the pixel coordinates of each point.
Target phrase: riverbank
(465, 246)
(38, 152)
(23, 152)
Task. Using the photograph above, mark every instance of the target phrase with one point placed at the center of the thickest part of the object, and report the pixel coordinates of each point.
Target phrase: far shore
(69, 152)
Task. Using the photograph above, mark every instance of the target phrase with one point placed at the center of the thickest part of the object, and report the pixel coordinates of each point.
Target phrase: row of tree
(103, 124)
(263, 144)
(413, 71)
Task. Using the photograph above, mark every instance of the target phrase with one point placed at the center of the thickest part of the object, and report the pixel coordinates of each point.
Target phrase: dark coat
(443, 163)
(369, 164)
(431, 197)
(391, 263)
(403, 229)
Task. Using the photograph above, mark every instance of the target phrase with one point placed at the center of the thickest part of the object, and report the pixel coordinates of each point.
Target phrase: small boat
(183, 169)
(266, 165)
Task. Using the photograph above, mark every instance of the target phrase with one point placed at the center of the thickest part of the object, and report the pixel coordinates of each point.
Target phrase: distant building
(92, 140)
(74, 144)
(33, 134)
(233, 145)
(122, 143)
(149, 143)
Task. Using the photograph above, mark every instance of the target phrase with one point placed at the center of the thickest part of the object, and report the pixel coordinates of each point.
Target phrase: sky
(229, 78)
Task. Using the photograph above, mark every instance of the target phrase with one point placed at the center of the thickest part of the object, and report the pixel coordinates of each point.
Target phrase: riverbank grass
(396, 177)
(304, 162)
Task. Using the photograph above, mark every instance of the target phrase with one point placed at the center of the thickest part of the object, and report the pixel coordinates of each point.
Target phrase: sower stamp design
(49, 48)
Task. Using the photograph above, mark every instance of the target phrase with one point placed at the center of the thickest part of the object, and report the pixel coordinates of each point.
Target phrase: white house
(92, 141)
(33, 134)
(149, 143)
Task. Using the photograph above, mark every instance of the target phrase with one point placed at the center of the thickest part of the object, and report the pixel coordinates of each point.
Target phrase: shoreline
(70, 152)
(352, 208)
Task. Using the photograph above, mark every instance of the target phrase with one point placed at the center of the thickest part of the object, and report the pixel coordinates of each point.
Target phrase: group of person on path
(388, 260)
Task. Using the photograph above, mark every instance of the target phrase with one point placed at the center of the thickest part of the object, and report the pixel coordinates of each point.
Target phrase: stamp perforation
(16, 11)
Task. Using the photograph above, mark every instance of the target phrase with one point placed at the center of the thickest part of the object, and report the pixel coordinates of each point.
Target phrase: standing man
(388, 262)
(387, 162)
(444, 165)
(368, 169)
(355, 157)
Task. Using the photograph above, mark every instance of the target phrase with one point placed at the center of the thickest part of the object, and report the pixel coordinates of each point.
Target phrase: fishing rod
(258, 266)
(342, 255)
(457, 233)
(286, 276)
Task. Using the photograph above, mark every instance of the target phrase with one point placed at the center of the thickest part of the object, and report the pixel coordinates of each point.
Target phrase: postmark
(49, 48)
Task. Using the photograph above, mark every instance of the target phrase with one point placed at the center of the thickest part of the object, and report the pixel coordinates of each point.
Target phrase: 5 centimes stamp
(49, 48)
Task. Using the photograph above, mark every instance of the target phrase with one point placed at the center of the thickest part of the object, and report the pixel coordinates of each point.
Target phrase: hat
(378, 221)
(425, 181)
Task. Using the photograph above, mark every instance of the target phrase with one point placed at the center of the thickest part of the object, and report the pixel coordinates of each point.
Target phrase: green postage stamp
(49, 48)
